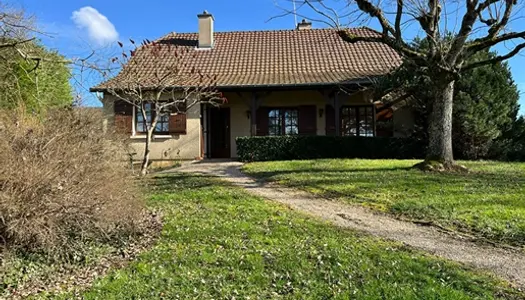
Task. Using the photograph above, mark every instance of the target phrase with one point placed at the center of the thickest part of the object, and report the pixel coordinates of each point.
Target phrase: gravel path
(506, 263)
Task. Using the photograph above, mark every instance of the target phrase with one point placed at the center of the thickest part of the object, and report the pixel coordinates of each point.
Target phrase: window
(283, 121)
(141, 124)
(357, 121)
(366, 121)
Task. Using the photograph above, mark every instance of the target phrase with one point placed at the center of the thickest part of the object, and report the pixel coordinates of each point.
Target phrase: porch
(280, 112)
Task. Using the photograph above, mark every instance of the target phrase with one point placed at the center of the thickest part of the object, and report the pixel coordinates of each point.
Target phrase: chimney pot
(205, 30)
(304, 25)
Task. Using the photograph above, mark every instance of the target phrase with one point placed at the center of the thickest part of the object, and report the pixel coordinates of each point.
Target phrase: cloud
(100, 30)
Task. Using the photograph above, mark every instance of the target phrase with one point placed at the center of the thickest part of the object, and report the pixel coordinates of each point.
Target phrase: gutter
(263, 86)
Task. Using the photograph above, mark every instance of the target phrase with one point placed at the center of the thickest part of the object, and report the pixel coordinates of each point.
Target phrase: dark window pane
(291, 122)
(283, 121)
(142, 125)
(291, 130)
(357, 121)
(274, 122)
(348, 121)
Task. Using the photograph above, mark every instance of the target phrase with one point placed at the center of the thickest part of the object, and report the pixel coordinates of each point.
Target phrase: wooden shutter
(262, 121)
(177, 123)
(123, 116)
(307, 120)
(330, 120)
(177, 120)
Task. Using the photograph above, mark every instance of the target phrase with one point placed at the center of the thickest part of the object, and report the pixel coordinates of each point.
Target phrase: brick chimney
(304, 25)
(205, 30)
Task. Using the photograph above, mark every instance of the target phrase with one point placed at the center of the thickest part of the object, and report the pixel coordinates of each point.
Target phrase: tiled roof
(268, 58)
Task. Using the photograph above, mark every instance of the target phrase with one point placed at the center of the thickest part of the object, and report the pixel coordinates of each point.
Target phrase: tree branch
(496, 27)
(470, 17)
(399, 14)
(397, 100)
(400, 47)
(496, 59)
(484, 43)
(375, 12)
(15, 43)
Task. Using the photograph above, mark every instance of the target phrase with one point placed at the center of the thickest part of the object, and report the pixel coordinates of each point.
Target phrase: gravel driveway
(506, 263)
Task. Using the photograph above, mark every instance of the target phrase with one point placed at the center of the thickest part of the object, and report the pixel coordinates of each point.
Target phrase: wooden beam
(253, 113)
(337, 108)
(374, 119)
(253, 101)
(327, 96)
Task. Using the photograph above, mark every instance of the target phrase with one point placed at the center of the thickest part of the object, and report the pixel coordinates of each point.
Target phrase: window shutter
(177, 119)
(330, 120)
(177, 123)
(262, 121)
(307, 120)
(123, 116)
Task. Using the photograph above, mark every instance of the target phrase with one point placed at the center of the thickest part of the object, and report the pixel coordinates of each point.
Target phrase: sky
(76, 27)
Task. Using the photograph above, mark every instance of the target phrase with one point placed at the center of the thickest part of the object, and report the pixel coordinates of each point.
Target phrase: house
(301, 81)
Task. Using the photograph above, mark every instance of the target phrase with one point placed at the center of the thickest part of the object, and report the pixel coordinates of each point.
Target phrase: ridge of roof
(270, 30)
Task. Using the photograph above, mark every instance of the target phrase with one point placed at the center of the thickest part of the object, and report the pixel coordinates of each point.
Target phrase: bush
(64, 183)
(511, 145)
(312, 147)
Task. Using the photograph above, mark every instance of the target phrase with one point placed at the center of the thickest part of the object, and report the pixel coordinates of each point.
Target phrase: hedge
(264, 148)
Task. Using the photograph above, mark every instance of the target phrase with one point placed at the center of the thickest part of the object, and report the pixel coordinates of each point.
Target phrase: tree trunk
(440, 126)
(150, 129)
(145, 159)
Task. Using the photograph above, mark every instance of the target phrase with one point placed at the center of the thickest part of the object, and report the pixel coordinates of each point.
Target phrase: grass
(489, 202)
(218, 242)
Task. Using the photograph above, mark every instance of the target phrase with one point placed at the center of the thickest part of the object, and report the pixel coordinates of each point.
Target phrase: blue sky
(76, 26)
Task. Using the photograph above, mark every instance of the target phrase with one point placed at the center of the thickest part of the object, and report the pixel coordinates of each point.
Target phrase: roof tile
(282, 57)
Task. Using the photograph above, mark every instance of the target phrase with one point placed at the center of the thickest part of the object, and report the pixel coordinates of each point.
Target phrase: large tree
(485, 103)
(473, 26)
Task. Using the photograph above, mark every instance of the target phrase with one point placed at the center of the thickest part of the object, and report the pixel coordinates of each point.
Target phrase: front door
(219, 132)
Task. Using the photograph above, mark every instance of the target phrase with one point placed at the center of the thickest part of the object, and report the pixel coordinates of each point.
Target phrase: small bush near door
(264, 148)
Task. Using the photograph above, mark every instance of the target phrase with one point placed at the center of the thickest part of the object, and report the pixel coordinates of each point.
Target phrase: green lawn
(489, 202)
(220, 243)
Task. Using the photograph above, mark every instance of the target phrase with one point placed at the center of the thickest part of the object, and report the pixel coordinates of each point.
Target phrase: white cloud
(100, 30)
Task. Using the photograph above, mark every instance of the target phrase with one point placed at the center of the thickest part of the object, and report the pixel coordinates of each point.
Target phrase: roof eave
(363, 81)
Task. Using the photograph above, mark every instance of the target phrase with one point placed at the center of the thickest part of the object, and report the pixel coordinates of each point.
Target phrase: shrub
(311, 147)
(63, 183)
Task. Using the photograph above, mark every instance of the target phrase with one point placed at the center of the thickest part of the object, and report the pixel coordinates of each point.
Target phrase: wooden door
(220, 132)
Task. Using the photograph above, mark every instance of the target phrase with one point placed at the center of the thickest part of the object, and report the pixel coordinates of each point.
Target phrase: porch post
(253, 114)
(205, 119)
(337, 108)
(374, 119)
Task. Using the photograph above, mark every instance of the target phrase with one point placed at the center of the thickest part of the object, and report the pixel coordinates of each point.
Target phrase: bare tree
(16, 27)
(155, 77)
(454, 32)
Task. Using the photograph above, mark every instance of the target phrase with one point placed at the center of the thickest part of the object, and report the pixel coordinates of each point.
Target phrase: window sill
(155, 136)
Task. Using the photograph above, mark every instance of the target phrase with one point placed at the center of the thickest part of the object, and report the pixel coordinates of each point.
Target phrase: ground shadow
(173, 182)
